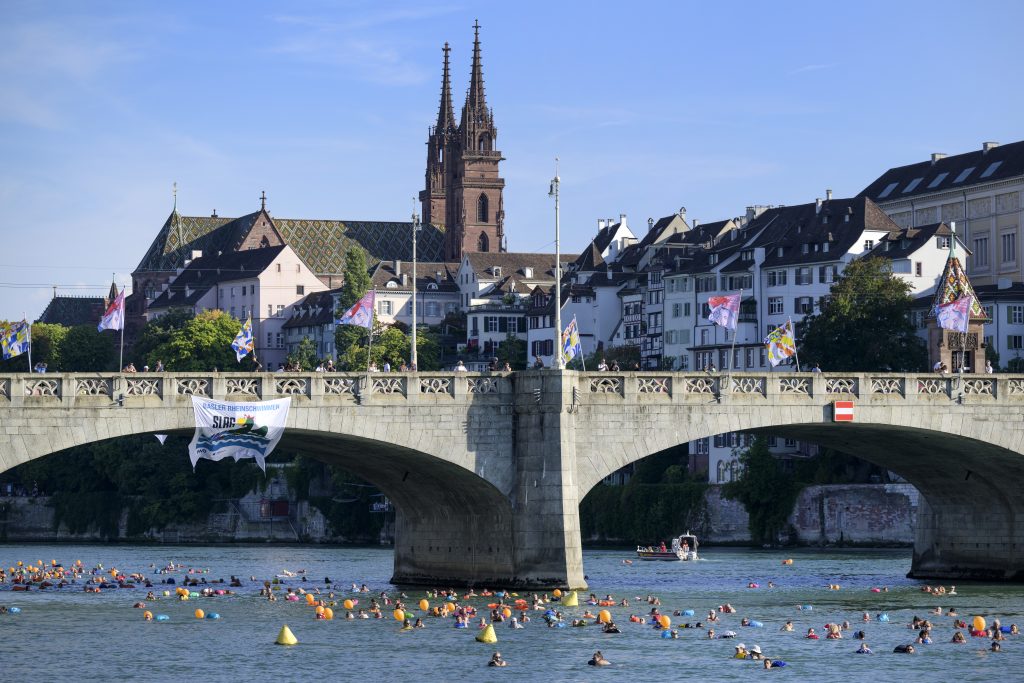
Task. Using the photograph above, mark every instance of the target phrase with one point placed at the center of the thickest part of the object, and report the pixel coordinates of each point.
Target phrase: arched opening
(484, 143)
(482, 209)
(483, 244)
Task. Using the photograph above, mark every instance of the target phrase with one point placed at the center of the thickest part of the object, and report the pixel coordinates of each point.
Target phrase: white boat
(683, 548)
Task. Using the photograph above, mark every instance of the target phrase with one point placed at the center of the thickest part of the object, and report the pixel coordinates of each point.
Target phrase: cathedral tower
(474, 210)
(432, 197)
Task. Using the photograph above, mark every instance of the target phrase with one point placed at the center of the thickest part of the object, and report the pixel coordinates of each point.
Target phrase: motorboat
(684, 547)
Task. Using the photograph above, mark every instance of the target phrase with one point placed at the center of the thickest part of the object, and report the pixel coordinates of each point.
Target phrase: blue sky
(326, 105)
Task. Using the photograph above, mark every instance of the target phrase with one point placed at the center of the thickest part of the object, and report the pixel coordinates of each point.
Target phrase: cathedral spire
(476, 103)
(445, 113)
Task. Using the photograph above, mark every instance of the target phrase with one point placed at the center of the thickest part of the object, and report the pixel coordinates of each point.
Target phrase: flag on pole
(571, 346)
(113, 319)
(361, 314)
(725, 310)
(781, 343)
(15, 338)
(243, 343)
(956, 315)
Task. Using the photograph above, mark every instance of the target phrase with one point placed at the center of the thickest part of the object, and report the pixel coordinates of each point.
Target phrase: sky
(326, 106)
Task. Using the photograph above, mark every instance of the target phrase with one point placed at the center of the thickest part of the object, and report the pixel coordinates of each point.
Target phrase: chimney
(650, 223)
(987, 147)
(817, 205)
(696, 222)
(828, 195)
(849, 214)
(622, 219)
(600, 224)
(404, 279)
(609, 273)
(398, 267)
(936, 156)
(437, 277)
(682, 212)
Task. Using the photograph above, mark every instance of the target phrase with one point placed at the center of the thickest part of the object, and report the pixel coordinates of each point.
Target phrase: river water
(90, 637)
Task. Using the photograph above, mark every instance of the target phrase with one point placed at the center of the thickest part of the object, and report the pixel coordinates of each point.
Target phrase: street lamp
(553, 192)
(415, 230)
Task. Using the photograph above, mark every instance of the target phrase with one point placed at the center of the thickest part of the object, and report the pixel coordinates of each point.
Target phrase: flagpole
(24, 317)
(796, 353)
(121, 361)
(735, 333)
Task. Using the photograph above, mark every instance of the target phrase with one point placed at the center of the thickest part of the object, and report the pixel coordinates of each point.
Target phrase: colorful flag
(571, 346)
(781, 343)
(956, 315)
(15, 338)
(113, 319)
(243, 343)
(725, 310)
(361, 314)
(237, 430)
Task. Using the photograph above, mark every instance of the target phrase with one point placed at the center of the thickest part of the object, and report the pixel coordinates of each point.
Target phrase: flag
(956, 315)
(780, 343)
(113, 319)
(243, 340)
(571, 346)
(361, 313)
(725, 310)
(237, 430)
(15, 338)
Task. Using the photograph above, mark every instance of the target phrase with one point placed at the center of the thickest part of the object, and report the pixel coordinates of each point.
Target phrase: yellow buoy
(200, 614)
(665, 621)
(319, 609)
(487, 635)
(348, 604)
(604, 617)
(328, 614)
(424, 605)
(570, 600)
(286, 637)
(979, 623)
(399, 615)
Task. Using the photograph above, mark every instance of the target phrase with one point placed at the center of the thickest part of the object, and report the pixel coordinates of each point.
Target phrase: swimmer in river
(496, 660)
(598, 660)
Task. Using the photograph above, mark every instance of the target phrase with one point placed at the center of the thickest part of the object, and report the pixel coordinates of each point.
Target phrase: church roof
(383, 274)
(954, 284)
(73, 310)
(205, 272)
(320, 243)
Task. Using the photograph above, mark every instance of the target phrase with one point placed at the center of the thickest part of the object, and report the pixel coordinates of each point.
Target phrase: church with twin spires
(463, 188)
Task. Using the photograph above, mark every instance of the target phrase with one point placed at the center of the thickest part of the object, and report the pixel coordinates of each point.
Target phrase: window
(677, 310)
(938, 179)
(490, 323)
(980, 255)
(683, 336)
(720, 442)
(912, 185)
(684, 362)
(270, 339)
(918, 269)
(805, 248)
(705, 283)
(686, 310)
(483, 244)
(750, 358)
(991, 169)
(740, 282)
(763, 358)
(963, 175)
(1009, 244)
(654, 296)
(703, 336)
(713, 259)
(776, 278)
(803, 275)
(988, 315)
(790, 443)
(280, 340)
(654, 322)
(482, 209)
(232, 311)
(828, 274)
(270, 314)
(803, 305)
(433, 309)
(887, 191)
(384, 307)
(1015, 315)
(279, 267)
(869, 245)
(1015, 342)
(232, 292)
(252, 289)
(775, 305)
(705, 310)
(300, 290)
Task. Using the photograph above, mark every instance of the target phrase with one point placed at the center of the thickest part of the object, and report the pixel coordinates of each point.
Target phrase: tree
(304, 356)
(47, 345)
(357, 279)
(864, 325)
(627, 357)
(512, 351)
(202, 344)
(766, 492)
(84, 349)
(156, 332)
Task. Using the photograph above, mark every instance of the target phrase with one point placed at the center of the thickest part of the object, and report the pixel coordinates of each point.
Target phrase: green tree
(357, 279)
(202, 344)
(47, 345)
(864, 325)
(84, 349)
(766, 492)
(626, 356)
(304, 355)
(156, 332)
(513, 352)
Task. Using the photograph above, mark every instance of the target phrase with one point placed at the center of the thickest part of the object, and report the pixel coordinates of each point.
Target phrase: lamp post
(415, 230)
(553, 192)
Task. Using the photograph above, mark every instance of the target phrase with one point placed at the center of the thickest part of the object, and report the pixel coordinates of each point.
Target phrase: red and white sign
(842, 411)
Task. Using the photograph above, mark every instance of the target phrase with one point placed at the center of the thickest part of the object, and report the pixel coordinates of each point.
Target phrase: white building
(437, 295)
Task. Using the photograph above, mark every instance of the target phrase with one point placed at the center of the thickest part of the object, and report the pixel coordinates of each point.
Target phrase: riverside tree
(864, 324)
(766, 492)
(201, 344)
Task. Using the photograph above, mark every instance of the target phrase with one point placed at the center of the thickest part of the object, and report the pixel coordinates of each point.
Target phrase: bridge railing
(98, 389)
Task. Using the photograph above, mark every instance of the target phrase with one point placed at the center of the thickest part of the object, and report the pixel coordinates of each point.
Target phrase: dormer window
(432, 286)
(496, 271)
(527, 272)
(805, 248)
(713, 259)
(391, 284)
(778, 252)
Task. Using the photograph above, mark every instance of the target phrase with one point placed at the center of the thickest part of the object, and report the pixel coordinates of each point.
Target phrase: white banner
(237, 430)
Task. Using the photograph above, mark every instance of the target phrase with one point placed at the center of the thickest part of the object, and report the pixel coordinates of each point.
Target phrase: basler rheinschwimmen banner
(237, 430)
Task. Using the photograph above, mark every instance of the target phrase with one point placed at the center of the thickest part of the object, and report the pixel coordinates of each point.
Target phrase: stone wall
(869, 514)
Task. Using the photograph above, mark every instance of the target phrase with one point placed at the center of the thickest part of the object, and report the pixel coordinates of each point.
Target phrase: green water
(74, 635)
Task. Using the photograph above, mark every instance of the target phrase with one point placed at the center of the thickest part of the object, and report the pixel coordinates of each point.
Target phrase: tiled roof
(902, 243)
(954, 284)
(315, 309)
(205, 272)
(426, 274)
(514, 263)
(321, 244)
(73, 310)
(949, 173)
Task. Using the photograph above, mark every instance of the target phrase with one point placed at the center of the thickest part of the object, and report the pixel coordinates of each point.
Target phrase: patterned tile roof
(73, 310)
(954, 284)
(321, 244)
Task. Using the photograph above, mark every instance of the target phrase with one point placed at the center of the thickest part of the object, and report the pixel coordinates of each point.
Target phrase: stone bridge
(487, 471)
